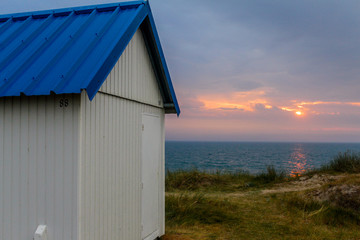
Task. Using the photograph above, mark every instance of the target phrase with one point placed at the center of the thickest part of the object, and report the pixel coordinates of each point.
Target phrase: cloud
(236, 100)
(300, 47)
(304, 53)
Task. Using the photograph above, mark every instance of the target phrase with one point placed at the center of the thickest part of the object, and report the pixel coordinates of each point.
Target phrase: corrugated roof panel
(67, 50)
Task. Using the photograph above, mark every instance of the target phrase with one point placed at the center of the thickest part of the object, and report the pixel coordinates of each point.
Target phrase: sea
(253, 157)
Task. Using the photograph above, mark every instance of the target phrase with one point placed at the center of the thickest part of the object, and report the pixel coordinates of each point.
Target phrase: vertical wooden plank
(76, 161)
(128, 165)
(24, 162)
(119, 175)
(41, 180)
(2, 166)
(114, 146)
(137, 165)
(59, 168)
(102, 163)
(83, 168)
(50, 207)
(32, 166)
(67, 181)
(112, 149)
(113, 80)
(80, 192)
(7, 169)
(116, 78)
(107, 175)
(127, 72)
(132, 72)
(137, 130)
(92, 179)
(98, 166)
(15, 169)
(88, 179)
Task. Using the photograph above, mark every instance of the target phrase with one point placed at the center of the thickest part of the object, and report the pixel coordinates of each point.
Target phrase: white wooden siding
(133, 76)
(38, 166)
(110, 175)
(77, 169)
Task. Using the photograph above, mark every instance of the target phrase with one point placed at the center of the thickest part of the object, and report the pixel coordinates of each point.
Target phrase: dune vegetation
(324, 203)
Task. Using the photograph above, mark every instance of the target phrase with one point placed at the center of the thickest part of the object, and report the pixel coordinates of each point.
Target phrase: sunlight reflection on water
(298, 162)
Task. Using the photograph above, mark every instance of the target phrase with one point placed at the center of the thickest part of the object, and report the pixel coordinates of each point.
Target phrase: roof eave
(158, 60)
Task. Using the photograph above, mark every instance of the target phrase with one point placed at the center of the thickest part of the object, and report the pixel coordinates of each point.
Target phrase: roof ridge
(66, 11)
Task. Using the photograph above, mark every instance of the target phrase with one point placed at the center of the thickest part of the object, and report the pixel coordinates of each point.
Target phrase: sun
(298, 113)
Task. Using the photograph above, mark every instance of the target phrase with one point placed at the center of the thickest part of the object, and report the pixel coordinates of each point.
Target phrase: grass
(224, 205)
(323, 213)
(254, 216)
(194, 179)
(347, 162)
(196, 208)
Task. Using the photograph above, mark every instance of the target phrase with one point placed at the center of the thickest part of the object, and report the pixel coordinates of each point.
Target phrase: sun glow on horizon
(256, 101)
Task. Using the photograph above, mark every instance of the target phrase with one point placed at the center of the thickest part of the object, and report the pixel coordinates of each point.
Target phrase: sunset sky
(256, 70)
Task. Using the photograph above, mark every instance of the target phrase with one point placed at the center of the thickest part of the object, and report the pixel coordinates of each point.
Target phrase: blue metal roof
(68, 50)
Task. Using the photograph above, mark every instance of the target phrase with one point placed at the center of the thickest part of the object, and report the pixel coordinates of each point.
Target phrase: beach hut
(83, 95)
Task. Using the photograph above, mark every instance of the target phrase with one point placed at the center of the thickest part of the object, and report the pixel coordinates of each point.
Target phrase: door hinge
(142, 185)
(143, 127)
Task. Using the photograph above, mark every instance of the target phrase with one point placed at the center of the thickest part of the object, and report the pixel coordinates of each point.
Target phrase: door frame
(155, 233)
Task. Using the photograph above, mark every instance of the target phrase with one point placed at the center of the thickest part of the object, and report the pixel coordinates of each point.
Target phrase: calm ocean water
(253, 157)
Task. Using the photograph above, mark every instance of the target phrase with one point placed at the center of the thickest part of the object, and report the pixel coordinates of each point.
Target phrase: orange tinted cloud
(329, 103)
(248, 101)
(245, 101)
(297, 106)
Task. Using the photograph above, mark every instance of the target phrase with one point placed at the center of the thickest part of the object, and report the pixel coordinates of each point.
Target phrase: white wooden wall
(77, 169)
(110, 168)
(38, 166)
(133, 76)
(111, 134)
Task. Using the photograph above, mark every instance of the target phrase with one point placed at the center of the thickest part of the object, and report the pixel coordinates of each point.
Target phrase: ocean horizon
(253, 157)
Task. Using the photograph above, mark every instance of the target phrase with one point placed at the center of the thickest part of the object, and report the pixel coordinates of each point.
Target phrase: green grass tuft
(271, 176)
(195, 208)
(193, 180)
(322, 212)
(347, 162)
